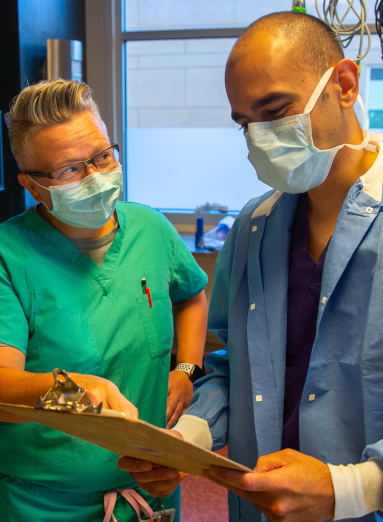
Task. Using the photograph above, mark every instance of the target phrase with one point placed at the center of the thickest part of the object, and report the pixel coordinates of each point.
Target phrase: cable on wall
(346, 33)
(378, 20)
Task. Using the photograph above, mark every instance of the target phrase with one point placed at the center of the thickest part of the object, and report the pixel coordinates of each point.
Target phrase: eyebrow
(263, 102)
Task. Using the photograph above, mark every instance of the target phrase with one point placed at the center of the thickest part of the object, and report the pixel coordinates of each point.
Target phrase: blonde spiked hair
(46, 103)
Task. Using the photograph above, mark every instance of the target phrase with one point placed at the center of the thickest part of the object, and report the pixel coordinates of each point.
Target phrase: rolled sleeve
(188, 279)
(210, 401)
(14, 329)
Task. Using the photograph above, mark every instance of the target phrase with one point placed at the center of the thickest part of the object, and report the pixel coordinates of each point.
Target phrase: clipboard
(130, 437)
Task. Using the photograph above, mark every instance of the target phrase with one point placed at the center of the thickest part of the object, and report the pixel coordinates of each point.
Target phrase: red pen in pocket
(149, 297)
(146, 291)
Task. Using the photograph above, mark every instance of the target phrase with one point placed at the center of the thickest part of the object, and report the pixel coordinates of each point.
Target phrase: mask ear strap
(318, 91)
(39, 184)
(363, 112)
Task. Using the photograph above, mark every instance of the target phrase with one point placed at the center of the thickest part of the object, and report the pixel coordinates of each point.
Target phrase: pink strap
(134, 499)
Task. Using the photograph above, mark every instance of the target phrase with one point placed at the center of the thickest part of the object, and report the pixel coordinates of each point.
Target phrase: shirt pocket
(157, 321)
(65, 340)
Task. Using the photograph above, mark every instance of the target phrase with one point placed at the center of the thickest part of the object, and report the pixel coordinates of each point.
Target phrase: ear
(28, 184)
(347, 77)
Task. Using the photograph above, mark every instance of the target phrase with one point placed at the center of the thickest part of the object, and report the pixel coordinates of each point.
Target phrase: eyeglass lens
(105, 160)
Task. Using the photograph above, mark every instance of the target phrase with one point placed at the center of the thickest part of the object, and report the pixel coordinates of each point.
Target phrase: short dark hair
(310, 39)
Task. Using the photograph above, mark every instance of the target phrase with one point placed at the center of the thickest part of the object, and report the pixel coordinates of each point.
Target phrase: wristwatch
(194, 371)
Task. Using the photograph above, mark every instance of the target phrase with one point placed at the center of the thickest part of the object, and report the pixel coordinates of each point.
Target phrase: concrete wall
(178, 83)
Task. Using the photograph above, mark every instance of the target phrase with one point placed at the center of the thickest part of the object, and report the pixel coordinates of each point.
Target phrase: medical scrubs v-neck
(305, 281)
(64, 311)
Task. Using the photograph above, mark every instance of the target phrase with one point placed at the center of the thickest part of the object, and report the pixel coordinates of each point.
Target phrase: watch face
(196, 373)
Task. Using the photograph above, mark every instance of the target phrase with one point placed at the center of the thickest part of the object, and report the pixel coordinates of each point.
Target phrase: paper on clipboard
(130, 437)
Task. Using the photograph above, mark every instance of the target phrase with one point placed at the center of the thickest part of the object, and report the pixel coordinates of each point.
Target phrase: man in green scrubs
(71, 297)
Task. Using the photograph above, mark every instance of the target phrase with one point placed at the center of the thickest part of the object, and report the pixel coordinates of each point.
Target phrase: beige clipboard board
(124, 436)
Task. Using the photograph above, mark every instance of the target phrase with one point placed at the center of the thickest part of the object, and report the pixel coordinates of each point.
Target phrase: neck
(326, 200)
(74, 232)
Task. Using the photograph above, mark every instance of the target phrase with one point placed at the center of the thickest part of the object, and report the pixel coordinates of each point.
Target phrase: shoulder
(14, 222)
(145, 216)
(256, 207)
(12, 228)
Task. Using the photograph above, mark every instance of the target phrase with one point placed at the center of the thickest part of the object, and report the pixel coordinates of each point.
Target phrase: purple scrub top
(305, 279)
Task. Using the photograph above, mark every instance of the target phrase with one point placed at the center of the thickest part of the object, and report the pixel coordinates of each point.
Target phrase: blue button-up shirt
(242, 397)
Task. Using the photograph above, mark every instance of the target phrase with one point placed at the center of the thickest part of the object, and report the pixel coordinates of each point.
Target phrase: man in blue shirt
(297, 393)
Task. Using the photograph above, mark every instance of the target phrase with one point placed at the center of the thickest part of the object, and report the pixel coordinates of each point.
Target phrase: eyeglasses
(104, 160)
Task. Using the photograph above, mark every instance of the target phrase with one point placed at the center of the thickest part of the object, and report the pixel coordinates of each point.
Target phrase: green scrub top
(64, 311)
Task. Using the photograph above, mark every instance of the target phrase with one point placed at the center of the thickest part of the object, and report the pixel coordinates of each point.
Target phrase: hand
(288, 486)
(158, 481)
(102, 390)
(180, 393)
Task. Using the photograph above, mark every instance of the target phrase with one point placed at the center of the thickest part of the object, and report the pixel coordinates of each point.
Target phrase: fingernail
(171, 474)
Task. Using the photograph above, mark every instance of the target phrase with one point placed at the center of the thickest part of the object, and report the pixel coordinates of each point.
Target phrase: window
(180, 147)
(183, 149)
(375, 99)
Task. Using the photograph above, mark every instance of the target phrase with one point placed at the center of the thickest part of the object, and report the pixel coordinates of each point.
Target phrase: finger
(160, 474)
(174, 433)
(246, 481)
(260, 500)
(155, 493)
(176, 415)
(134, 465)
(160, 485)
(275, 460)
(118, 402)
(173, 399)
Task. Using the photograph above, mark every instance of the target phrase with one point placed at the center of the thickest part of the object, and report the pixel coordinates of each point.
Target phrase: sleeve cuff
(195, 430)
(358, 488)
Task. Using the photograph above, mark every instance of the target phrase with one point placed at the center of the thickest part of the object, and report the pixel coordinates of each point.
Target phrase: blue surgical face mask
(283, 152)
(88, 203)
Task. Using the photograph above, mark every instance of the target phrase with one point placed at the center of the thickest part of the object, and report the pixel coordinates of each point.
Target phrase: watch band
(193, 370)
(184, 367)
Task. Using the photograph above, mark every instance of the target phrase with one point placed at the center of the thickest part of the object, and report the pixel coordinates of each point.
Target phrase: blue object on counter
(215, 238)
(199, 230)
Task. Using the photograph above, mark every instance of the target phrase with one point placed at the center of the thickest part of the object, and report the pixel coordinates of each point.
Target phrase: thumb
(271, 462)
(116, 401)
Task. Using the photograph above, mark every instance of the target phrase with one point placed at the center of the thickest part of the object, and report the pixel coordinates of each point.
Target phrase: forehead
(75, 140)
(264, 67)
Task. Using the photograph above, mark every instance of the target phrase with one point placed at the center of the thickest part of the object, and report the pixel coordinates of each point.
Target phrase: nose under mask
(283, 152)
(88, 203)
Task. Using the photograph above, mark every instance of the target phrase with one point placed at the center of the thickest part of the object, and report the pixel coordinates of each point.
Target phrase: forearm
(190, 320)
(21, 387)
(358, 488)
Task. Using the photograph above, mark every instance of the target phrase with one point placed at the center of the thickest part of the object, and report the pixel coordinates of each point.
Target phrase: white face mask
(88, 203)
(284, 155)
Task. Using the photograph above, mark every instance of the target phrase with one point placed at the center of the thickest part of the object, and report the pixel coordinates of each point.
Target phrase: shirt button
(312, 397)
(252, 306)
(254, 229)
(258, 398)
(324, 299)
(369, 210)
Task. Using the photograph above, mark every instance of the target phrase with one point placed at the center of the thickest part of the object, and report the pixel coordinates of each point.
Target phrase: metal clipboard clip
(66, 395)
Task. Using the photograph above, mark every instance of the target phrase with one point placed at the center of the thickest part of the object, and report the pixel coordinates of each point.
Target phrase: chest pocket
(65, 340)
(157, 321)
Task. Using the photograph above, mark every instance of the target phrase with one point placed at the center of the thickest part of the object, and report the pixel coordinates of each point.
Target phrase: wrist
(193, 371)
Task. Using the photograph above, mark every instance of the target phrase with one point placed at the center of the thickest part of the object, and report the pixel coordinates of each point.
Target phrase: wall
(23, 34)
(178, 83)
(42, 19)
